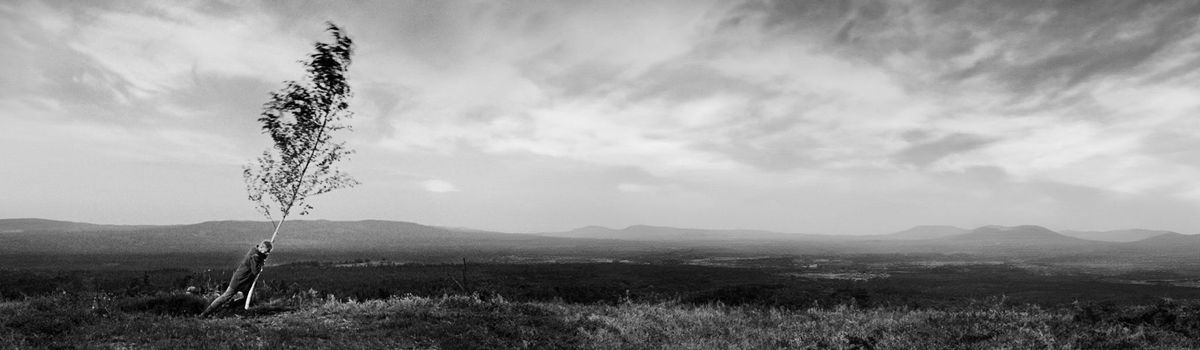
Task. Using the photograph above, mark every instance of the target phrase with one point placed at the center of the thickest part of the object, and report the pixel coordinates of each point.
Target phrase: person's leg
(219, 302)
(240, 292)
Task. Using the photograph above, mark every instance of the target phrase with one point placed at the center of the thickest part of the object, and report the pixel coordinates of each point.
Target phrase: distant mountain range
(926, 233)
(48, 236)
(1025, 242)
(22, 225)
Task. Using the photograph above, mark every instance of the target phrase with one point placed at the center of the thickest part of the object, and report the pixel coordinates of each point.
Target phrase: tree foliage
(301, 119)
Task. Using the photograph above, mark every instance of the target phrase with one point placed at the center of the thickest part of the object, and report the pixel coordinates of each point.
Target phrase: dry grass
(469, 322)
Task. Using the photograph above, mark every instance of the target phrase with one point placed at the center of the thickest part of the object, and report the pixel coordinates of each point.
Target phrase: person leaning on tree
(243, 277)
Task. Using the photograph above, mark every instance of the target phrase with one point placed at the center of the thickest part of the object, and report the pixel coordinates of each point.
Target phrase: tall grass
(472, 322)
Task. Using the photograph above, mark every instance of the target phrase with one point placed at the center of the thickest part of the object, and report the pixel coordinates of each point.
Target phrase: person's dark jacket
(251, 265)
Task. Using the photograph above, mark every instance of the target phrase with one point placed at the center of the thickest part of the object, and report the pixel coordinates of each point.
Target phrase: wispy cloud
(762, 108)
(820, 93)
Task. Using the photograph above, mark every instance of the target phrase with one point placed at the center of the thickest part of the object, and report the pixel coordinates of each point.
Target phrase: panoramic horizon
(633, 226)
(829, 118)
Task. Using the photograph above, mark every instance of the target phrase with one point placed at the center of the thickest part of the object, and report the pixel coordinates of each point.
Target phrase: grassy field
(470, 322)
(765, 305)
(608, 283)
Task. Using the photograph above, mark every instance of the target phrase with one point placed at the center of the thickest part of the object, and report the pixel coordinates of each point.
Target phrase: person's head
(264, 247)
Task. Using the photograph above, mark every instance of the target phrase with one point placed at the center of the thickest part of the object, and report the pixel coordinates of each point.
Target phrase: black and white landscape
(759, 174)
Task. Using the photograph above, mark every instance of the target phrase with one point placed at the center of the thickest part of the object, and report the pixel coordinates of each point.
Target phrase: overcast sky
(523, 116)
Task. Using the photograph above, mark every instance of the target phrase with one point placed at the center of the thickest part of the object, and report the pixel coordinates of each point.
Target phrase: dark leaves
(300, 119)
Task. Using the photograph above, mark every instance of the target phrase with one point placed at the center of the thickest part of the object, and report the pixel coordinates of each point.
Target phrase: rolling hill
(926, 232)
(1169, 244)
(1025, 234)
(675, 234)
(1024, 240)
(1130, 235)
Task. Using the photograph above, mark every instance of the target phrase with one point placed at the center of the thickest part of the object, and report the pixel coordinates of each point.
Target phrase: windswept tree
(301, 119)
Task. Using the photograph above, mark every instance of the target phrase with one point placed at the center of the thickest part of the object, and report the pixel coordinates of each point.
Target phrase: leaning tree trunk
(318, 108)
(252, 284)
